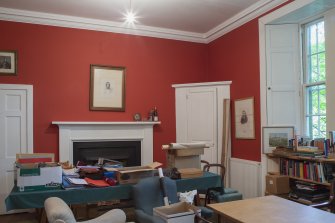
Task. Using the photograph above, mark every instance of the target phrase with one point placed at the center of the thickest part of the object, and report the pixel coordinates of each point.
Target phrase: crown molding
(241, 18)
(50, 19)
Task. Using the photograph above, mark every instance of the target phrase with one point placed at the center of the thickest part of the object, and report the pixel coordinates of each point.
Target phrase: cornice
(141, 30)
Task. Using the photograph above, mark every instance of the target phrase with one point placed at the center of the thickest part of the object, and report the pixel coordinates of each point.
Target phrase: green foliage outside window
(315, 78)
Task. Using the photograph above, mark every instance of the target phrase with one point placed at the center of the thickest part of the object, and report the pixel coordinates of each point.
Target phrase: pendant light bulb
(130, 16)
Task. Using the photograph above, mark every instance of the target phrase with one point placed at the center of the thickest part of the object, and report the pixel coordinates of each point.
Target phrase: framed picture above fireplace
(107, 89)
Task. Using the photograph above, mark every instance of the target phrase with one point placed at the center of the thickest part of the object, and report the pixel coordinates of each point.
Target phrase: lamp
(130, 16)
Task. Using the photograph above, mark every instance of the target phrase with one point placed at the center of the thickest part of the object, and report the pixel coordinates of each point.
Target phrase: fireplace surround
(70, 132)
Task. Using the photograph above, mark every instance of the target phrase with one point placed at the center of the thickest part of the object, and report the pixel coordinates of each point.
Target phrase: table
(270, 209)
(35, 199)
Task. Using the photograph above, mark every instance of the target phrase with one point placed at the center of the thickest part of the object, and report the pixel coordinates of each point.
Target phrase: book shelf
(309, 169)
(313, 171)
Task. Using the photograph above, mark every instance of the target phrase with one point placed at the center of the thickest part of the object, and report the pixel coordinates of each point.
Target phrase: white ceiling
(190, 20)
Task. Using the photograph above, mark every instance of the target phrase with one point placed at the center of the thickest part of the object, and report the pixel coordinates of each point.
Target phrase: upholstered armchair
(58, 211)
(147, 195)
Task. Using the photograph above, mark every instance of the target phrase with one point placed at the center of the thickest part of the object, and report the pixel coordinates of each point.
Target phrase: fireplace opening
(126, 152)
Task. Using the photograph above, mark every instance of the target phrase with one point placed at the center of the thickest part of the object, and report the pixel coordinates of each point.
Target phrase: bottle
(155, 114)
(151, 115)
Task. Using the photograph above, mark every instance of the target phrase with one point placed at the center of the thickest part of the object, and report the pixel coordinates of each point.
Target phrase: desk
(270, 209)
(35, 199)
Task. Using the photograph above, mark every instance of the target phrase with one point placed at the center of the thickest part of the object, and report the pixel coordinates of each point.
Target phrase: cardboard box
(184, 158)
(277, 184)
(34, 157)
(32, 177)
(131, 175)
(190, 172)
(180, 212)
(184, 155)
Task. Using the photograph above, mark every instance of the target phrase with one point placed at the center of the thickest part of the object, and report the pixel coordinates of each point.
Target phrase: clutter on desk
(33, 173)
(106, 172)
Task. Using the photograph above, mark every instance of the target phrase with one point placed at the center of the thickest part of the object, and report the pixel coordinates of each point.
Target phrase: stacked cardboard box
(184, 155)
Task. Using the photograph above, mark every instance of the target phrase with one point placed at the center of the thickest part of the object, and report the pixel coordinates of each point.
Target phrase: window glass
(315, 79)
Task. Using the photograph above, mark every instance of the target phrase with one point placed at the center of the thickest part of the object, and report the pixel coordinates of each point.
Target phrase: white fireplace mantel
(70, 132)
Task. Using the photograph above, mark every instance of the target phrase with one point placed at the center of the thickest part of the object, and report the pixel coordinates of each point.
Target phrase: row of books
(321, 144)
(316, 171)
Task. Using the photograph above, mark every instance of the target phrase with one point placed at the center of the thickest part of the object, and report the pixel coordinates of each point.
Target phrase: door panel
(15, 132)
(283, 75)
(201, 120)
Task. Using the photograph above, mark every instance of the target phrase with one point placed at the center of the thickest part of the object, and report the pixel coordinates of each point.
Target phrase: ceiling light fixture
(130, 16)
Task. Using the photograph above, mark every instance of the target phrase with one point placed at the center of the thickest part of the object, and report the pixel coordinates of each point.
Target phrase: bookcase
(310, 177)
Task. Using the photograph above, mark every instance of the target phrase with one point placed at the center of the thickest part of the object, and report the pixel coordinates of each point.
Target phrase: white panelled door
(283, 75)
(16, 132)
(201, 108)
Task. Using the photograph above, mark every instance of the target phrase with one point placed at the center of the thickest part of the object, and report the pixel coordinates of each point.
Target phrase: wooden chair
(330, 204)
(220, 194)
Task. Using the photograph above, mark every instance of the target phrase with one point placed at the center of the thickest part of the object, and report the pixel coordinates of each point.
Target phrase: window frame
(306, 74)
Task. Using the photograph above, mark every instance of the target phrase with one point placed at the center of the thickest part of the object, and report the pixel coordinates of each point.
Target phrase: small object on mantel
(137, 117)
(190, 172)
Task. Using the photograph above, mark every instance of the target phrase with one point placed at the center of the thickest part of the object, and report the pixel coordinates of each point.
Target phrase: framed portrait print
(276, 136)
(107, 90)
(8, 63)
(244, 118)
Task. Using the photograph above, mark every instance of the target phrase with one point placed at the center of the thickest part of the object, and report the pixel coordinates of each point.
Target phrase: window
(315, 79)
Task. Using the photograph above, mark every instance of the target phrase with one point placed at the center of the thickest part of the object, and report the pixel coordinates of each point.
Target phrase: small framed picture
(276, 136)
(107, 90)
(8, 63)
(244, 118)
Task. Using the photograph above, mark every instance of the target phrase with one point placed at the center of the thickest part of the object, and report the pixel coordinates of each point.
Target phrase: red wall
(56, 61)
(235, 57)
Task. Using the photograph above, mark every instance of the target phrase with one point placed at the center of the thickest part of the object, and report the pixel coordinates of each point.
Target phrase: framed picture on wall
(107, 90)
(276, 136)
(244, 118)
(8, 63)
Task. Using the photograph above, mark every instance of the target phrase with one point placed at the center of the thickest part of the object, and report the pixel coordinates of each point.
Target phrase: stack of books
(309, 151)
(71, 180)
(309, 193)
(73, 183)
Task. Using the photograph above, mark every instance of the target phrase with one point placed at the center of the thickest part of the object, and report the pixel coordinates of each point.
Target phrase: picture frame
(107, 88)
(274, 136)
(8, 63)
(244, 118)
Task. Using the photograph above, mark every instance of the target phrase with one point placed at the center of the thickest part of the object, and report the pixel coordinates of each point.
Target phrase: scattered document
(78, 181)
